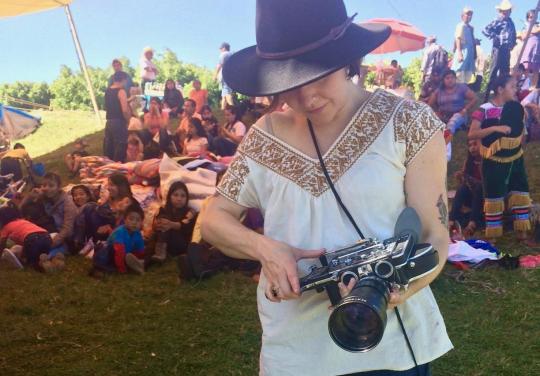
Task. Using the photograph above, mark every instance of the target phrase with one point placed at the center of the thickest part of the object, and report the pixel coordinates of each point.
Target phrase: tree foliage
(170, 67)
(412, 76)
(37, 92)
(70, 92)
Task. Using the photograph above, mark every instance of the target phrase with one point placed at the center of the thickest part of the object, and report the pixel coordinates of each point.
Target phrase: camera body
(358, 321)
(397, 260)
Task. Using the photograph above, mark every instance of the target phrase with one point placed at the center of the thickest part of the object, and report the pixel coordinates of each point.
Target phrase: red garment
(18, 230)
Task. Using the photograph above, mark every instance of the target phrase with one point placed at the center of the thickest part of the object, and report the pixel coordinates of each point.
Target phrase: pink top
(18, 230)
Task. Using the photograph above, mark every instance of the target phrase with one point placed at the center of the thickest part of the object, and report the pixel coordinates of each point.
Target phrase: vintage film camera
(357, 321)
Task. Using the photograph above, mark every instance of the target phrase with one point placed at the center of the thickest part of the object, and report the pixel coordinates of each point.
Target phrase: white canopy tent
(12, 8)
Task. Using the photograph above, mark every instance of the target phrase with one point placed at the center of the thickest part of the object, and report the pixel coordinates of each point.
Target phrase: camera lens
(357, 323)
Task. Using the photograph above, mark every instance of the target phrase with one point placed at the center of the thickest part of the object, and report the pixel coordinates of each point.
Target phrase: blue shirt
(131, 242)
(502, 32)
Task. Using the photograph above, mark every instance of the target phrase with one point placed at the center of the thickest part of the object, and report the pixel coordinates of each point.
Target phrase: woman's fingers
(345, 290)
(301, 254)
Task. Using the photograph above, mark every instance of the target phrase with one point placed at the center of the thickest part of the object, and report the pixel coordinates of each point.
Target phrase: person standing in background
(429, 57)
(118, 67)
(502, 32)
(226, 91)
(200, 96)
(147, 67)
(118, 115)
(464, 48)
(531, 54)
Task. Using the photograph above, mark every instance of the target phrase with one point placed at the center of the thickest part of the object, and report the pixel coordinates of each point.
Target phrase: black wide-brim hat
(298, 42)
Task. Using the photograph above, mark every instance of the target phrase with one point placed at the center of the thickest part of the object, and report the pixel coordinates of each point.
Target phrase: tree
(412, 76)
(70, 92)
(37, 92)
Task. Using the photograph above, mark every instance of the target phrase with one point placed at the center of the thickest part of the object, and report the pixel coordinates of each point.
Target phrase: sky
(34, 46)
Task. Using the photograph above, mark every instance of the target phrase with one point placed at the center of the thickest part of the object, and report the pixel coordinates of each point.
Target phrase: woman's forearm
(224, 231)
(440, 243)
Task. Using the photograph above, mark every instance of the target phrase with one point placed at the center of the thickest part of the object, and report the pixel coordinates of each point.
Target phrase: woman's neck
(343, 115)
(497, 101)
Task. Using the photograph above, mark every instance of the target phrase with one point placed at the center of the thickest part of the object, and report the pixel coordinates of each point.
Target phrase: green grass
(59, 128)
(71, 324)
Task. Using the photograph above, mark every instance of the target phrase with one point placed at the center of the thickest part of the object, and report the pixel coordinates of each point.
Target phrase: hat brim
(247, 73)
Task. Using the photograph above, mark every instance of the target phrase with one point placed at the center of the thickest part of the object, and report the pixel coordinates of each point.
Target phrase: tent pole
(82, 62)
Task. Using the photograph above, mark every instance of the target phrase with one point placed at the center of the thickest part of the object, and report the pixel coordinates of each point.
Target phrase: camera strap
(353, 222)
(330, 184)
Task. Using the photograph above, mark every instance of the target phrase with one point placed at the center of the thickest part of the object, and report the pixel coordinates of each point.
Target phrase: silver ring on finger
(275, 291)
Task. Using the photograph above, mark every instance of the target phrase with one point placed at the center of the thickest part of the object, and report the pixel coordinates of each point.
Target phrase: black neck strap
(327, 176)
(351, 219)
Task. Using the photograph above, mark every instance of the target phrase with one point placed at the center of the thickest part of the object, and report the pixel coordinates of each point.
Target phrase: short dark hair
(18, 145)
(119, 76)
(134, 207)
(53, 177)
(191, 101)
(226, 46)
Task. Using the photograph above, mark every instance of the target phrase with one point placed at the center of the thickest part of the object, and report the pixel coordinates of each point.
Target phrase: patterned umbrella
(405, 37)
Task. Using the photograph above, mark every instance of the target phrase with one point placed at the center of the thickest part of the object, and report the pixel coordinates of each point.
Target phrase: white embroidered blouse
(367, 163)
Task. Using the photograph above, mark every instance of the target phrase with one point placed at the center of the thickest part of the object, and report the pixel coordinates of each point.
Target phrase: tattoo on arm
(443, 211)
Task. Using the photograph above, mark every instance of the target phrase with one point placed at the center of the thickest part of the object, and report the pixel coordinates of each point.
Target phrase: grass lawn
(71, 324)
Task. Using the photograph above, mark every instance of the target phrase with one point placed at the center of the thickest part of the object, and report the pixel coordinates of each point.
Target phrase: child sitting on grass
(125, 246)
(35, 242)
(86, 206)
(73, 159)
(174, 223)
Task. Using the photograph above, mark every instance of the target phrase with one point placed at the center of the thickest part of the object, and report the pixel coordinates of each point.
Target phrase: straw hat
(504, 5)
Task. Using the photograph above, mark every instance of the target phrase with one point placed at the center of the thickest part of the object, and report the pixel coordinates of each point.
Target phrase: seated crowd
(104, 218)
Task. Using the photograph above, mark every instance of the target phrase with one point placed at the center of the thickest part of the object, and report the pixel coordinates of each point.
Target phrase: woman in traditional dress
(499, 126)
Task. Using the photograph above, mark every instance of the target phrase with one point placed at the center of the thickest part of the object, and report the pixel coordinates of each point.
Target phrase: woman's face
(206, 114)
(508, 93)
(474, 148)
(113, 190)
(80, 197)
(178, 199)
(229, 116)
(208, 126)
(154, 106)
(320, 100)
(449, 81)
(170, 85)
(50, 189)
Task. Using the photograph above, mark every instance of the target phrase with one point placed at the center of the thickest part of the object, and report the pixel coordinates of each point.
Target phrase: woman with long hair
(173, 99)
(230, 134)
(498, 125)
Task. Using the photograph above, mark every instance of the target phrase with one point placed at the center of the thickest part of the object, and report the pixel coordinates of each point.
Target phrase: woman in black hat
(381, 153)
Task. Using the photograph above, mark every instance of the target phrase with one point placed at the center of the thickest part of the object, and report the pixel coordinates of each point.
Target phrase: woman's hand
(164, 224)
(279, 266)
(396, 298)
(105, 229)
(504, 129)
